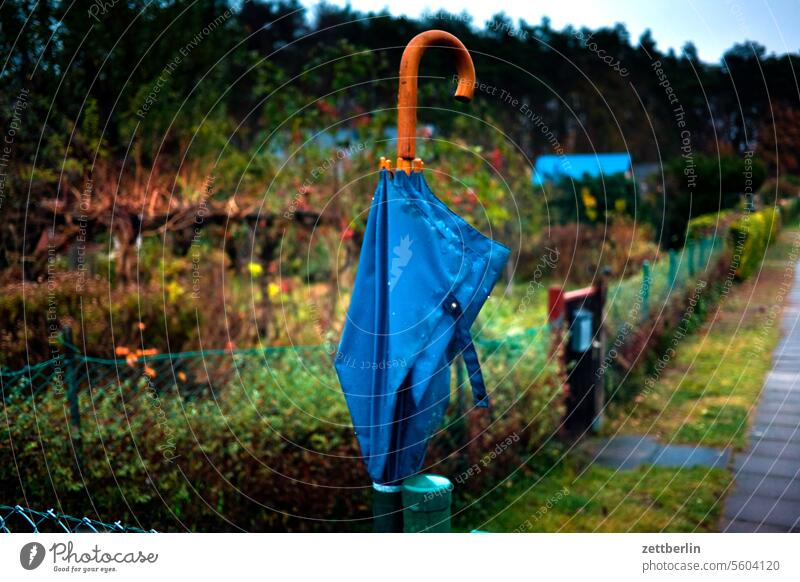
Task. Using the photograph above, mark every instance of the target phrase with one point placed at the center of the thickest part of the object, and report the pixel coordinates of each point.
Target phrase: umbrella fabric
(423, 276)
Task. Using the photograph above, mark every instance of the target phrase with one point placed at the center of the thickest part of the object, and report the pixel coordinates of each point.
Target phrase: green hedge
(750, 235)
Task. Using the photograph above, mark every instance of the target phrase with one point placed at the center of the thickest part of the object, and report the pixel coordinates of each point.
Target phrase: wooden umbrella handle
(407, 95)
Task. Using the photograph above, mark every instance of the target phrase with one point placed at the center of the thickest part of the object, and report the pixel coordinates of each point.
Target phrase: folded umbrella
(423, 275)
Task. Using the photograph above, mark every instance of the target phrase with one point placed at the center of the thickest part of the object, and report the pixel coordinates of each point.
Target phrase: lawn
(575, 498)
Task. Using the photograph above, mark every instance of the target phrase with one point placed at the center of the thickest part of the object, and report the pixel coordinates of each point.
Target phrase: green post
(387, 509)
(673, 270)
(703, 251)
(427, 500)
(644, 294)
(71, 379)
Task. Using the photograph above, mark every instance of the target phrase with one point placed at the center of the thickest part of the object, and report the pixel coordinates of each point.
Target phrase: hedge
(750, 235)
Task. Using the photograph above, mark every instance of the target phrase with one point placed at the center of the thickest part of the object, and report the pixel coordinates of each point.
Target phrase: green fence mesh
(632, 300)
(207, 373)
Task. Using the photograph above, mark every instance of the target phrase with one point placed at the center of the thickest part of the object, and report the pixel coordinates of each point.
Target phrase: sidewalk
(766, 495)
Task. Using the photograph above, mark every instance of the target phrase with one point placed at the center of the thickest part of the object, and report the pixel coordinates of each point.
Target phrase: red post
(555, 303)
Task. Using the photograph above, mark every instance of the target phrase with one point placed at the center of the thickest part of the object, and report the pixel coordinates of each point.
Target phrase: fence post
(673, 270)
(690, 257)
(71, 379)
(703, 252)
(644, 294)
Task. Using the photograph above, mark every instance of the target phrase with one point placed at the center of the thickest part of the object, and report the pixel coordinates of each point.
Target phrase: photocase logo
(31, 555)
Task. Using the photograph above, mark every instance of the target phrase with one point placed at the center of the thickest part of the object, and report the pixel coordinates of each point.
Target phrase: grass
(704, 396)
(596, 499)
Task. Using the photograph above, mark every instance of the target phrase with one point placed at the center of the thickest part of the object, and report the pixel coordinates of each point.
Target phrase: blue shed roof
(555, 167)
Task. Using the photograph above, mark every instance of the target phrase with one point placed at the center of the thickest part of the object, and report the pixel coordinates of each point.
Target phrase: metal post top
(427, 483)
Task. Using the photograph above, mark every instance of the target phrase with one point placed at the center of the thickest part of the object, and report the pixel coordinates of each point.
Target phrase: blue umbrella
(423, 276)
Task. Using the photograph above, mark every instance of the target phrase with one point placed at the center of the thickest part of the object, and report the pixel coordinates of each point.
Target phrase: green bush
(750, 235)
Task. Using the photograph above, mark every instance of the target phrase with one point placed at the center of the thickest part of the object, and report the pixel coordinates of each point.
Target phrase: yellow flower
(255, 269)
(590, 203)
(174, 291)
(273, 290)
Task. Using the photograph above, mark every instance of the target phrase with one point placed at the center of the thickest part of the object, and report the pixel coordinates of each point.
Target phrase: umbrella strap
(467, 348)
(463, 344)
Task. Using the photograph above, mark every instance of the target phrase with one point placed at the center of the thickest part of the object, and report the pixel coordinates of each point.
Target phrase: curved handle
(407, 95)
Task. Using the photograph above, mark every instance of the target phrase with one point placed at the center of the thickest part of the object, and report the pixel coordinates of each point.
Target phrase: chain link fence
(633, 300)
(200, 374)
(19, 519)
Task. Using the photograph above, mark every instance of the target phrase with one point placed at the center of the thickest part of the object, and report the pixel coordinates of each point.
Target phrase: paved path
(766, 495)
(629, 451)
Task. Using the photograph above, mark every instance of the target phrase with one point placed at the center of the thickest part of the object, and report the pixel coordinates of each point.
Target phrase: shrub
(577, 248)
(100, 315)
(750, 235)
(592, 199)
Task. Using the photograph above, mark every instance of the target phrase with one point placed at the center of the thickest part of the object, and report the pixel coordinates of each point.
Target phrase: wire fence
(633, 300)
(19, 519)
(84, 380)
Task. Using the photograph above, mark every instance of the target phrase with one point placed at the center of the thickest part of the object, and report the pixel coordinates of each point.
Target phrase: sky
(713, 26)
